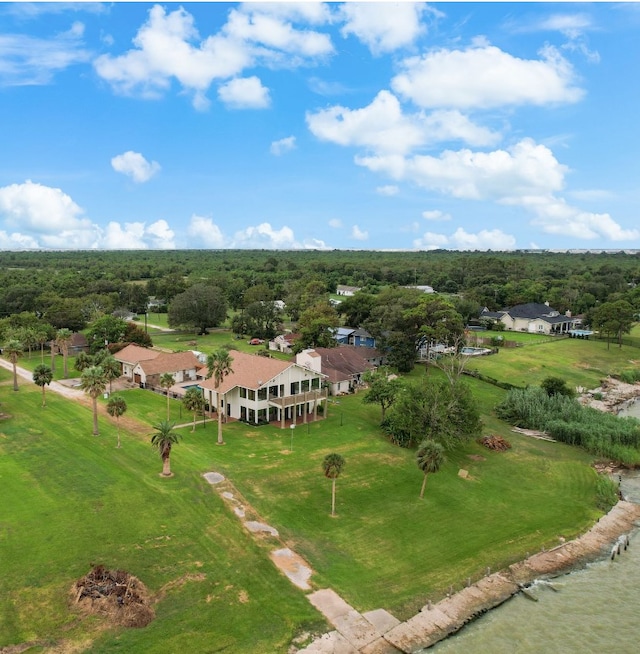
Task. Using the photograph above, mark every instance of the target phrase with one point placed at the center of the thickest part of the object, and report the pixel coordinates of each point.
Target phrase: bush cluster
(566, 420)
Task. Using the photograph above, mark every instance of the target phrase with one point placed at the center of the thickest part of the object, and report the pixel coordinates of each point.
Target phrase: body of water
(633, 410)
(593, 610)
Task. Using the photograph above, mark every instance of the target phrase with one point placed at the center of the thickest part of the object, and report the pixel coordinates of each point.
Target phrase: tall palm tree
(94, 382)
(163, 439)
(42, 376)
(332, 466)
(42, 335)
(116, 407)
(193, 400)
(63, 340)
(219, 366)
(429, 457)
(167, 380)
(14, 350)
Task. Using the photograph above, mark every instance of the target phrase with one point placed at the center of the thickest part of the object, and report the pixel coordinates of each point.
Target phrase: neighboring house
(182, 365)
(356, 337)
(343, 366)
(144, 366)
(533, 317)
(261, 389)
(79, 343)
(283, 343)
(347, 290)
(131, 355)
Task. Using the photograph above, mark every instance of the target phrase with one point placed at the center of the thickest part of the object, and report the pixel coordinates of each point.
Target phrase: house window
(243, 413)
(243, 393)
(315, 383)
(251, 394)
(304, 386)
(295, 388)
(262, 393)
(273, 391)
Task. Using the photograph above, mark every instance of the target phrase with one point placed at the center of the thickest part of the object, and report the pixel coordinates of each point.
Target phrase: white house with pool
(261, 389)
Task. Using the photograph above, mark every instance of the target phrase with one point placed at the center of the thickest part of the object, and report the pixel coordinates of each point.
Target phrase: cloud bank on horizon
(481, 126)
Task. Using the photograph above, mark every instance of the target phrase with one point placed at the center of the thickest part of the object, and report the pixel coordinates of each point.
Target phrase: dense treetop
(70, 286)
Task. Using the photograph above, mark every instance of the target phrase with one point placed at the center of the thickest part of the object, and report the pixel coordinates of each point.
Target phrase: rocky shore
(369, 634)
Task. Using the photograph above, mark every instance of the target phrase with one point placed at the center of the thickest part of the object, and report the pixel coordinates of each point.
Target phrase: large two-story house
(261, 389)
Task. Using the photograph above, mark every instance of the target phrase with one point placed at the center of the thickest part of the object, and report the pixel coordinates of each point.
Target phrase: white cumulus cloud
(387, 189)
(486, 77)
(205, 233)
(169, 47)
(359, 234)
(383, 27)
(134, 165)
(244, 93)
(38, 208)
(383, 126)
(265, 236)
(486, 239)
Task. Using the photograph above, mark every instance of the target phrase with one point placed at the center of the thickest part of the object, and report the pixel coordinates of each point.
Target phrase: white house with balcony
(261, 389)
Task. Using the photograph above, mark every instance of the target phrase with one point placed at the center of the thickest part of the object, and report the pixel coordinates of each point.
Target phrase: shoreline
(435, 622)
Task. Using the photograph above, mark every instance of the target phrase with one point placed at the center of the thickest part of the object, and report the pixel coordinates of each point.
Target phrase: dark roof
(530, 310)
(340, 363)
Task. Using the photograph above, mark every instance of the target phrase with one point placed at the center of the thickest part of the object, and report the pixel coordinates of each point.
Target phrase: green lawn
(579, 362)
(72, 499)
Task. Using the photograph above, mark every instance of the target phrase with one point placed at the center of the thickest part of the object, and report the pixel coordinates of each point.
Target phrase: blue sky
(468, 126)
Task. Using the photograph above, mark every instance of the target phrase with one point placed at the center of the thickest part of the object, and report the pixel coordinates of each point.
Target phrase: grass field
(580, 362)
(72, 499)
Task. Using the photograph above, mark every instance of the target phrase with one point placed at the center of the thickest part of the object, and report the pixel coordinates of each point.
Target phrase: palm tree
(83, 361)
(42, 376)
(116, 407)
(63, 339)
(429, 457)
(163, 439)
(167, 381)
(193, 400)
(219, 366)
(332, 466)
(42, 335)
(14, 350)
(112, 369)
(94, 382)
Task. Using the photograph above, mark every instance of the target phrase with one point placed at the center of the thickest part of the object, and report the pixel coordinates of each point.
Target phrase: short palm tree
(429, 457)
(332, 466)
(14, 350)
(83, 361)
(219, 366)
(42, 376)
(116, 407)
(167, 380)
(94, 382)
(63, 340)
(112, 369)
(163, 438)
(193, 400)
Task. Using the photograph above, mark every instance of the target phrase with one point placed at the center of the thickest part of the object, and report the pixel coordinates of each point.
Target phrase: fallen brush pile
(495, 442)
(115, 594)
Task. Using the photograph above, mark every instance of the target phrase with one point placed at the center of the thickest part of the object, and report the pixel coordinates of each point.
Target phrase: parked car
(256, 341)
